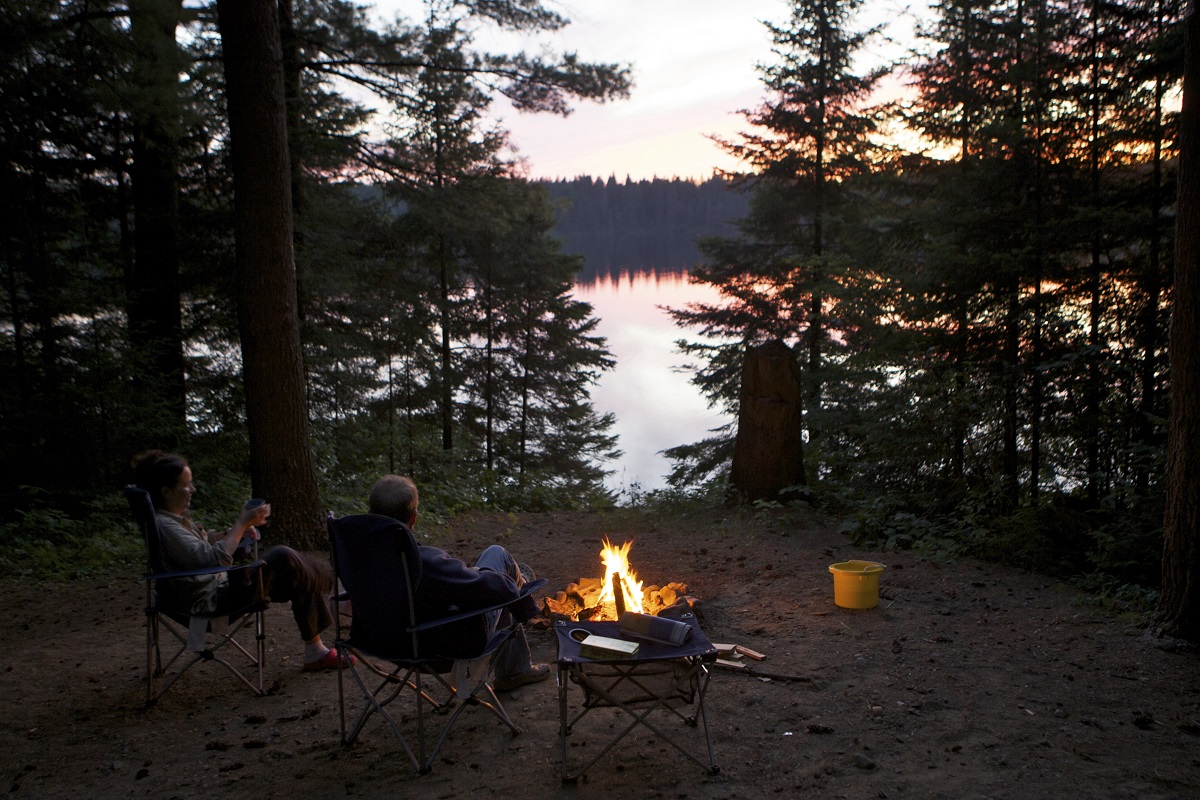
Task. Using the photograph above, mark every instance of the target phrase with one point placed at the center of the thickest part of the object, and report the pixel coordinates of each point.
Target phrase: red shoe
(331, 660)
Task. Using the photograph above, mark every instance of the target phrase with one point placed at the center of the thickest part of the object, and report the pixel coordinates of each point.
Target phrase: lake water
(655, 407)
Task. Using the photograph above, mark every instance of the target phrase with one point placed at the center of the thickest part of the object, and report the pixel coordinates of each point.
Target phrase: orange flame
(616, 562)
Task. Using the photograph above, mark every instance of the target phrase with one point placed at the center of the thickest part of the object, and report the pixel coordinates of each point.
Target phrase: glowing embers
(619, 590)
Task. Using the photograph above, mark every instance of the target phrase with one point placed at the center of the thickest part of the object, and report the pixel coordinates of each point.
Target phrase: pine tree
(281, 462)
(537, 355)
(783, 277)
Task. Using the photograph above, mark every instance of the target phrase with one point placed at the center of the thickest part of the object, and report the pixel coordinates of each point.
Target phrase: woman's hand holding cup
(254, 513)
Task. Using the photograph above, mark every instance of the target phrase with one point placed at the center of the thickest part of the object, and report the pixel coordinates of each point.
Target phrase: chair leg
(497, 708)
(563, 727)
(156, 624)
(472, 684)
(162, 690)
(373, 704)
(713, 769)
(155, 666)
(341, 705)
(421, 754)
(260, 640)
(153, 656)
(423, 765)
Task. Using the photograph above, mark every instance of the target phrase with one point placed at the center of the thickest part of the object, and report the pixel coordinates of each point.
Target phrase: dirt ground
(968, 680)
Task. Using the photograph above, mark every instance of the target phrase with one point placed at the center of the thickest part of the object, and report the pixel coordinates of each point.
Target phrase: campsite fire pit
(619, 590)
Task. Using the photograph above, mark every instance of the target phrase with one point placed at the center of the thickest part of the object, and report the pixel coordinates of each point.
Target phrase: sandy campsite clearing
(969, 680)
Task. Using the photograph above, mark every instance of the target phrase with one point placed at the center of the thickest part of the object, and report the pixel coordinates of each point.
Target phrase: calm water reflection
(656, 408)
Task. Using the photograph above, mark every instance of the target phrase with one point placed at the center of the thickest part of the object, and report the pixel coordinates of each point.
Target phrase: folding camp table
(658, 677)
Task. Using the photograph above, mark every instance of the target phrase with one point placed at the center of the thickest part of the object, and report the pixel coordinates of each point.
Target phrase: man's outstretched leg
(514, 666)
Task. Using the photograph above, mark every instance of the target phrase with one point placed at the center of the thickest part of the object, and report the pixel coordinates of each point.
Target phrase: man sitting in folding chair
(448, 586)
(431, 616)
(286, 575)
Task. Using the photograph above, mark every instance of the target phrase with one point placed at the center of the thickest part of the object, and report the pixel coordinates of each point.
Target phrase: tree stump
(768, 454)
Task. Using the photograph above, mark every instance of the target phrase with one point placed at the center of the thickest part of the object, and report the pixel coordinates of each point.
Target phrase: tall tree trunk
(1092, 391)
(489, 370)
(1152, 285)
(821, 189)
(293, 67)
(1011, 380)
(1178, 611)
(959, 402)
(526, 389)
(281, 464)
(446, 354)
(1036, 379)
(154, 302)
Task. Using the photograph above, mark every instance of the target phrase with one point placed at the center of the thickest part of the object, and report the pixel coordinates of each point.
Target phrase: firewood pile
(581, 601)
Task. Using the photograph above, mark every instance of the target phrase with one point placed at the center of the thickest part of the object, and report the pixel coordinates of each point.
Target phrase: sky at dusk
(693, 67)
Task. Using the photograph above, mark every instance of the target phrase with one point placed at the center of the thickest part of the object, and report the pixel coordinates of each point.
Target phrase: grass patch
(48, 544)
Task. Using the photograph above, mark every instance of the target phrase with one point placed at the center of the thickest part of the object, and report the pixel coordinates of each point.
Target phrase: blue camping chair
(200, 637)
(376, 561)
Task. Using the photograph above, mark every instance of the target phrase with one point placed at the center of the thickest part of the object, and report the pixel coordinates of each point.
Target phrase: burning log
(618, 594)
(582, 601)
(619, 590)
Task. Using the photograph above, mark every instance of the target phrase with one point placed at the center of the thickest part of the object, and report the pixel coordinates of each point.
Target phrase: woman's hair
(395, 496)
(155, 470)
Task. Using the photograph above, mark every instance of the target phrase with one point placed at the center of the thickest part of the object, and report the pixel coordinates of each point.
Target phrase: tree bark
(1010, 379)
(281, 464)
(153, 288)
(1178, 613)
(1148, 335)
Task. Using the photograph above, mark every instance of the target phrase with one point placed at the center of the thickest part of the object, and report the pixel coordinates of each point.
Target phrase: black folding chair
(658, 678)
(377, 561)
(202, 637)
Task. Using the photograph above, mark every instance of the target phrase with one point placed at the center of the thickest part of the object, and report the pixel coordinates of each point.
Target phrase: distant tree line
(644, 225)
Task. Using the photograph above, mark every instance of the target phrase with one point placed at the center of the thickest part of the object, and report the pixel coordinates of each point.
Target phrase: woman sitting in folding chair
(287, 576)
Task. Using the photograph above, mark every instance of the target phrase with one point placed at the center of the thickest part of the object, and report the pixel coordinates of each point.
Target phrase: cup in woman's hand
(256, 503)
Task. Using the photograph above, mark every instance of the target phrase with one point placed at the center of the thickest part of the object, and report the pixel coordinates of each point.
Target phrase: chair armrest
(526, 590)
(189, 573)
(530, 587)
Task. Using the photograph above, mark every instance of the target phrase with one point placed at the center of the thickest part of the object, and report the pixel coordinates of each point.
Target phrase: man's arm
(448, 584)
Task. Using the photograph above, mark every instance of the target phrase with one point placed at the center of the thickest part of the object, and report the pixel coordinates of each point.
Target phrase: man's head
(395, 496)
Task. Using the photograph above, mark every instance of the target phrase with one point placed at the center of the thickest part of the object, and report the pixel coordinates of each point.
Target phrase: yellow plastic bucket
(856, 583)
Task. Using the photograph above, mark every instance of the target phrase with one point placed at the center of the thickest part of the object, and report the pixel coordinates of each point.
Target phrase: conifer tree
(281, 462)
(782, 277)
(538, 355)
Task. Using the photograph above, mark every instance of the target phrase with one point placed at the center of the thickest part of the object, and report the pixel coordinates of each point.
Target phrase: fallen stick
(746, 669)
(778, 677)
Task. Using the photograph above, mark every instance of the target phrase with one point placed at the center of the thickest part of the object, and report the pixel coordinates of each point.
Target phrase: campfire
(604, 598)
